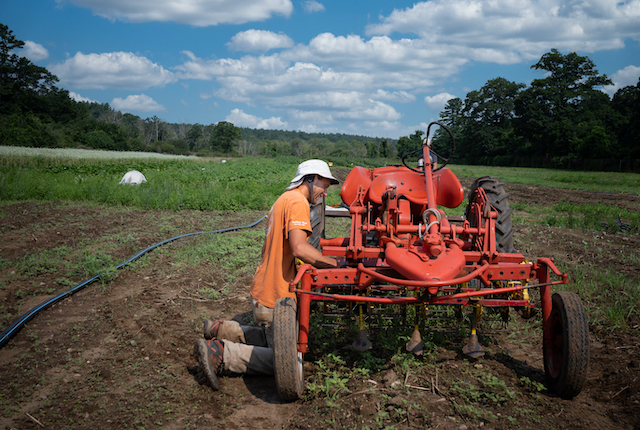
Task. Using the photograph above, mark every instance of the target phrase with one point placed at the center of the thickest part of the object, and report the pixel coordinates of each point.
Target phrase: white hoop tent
(133, 177)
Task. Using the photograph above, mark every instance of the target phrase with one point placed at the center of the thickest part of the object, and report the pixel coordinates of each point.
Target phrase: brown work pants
(249, 349)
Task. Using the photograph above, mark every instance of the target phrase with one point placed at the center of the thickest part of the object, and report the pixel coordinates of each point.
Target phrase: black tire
(287, 360)
(317, 224)
(566, 355)
(499, 200)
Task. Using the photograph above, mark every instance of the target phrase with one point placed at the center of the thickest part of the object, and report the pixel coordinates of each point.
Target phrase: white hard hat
(311, 167)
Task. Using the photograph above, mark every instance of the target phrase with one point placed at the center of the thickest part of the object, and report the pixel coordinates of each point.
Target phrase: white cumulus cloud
(241, 119)
(197, 68)
(191, 12)
(312, 6)
(34, 51)
(623, 78)
(394, 96)
(77, 97)
(340, 81)
(510, 31)
(406, 64)
(124, 70)
(259, 40)
(437, 103)
(137, 103)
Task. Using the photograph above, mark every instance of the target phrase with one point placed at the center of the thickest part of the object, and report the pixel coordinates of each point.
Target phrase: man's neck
(304, 189)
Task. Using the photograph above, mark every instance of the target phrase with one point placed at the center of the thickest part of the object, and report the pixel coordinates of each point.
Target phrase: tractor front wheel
(287, 360)
(566, 346)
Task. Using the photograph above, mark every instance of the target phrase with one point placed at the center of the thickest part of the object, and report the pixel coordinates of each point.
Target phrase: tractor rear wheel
(499, 200)
(287, 360)
(566, 350)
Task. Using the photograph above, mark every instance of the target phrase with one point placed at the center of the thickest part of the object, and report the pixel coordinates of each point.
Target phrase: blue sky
(375, 68)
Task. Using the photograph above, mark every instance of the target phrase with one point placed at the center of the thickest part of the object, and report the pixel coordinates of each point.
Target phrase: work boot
(210, 330)
(209, 356)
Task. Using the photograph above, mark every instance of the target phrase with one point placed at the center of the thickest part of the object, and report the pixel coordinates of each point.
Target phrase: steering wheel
(445, 161)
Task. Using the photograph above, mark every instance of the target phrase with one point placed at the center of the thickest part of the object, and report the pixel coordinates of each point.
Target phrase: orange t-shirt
(277, 268)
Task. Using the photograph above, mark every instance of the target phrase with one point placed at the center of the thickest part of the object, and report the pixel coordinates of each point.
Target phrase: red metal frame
(432, 260)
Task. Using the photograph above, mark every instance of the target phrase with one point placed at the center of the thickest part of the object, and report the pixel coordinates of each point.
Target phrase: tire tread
(289, 382)
(499, 200)
(575, 363)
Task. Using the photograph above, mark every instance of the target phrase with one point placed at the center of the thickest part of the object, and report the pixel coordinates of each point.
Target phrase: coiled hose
(17, 325)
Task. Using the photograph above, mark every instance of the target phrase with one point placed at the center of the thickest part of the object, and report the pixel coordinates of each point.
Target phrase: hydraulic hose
(17, 325)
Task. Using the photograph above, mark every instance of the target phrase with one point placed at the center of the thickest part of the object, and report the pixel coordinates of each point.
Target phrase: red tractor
(404, 250)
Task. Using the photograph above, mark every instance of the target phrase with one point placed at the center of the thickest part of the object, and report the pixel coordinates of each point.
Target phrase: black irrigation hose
(17, 325)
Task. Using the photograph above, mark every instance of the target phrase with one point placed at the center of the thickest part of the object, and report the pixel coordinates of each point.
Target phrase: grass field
(178, 182)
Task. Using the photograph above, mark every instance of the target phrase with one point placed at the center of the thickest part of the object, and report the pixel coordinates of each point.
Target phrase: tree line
(35, 112)
(561, 120)
(562, 117)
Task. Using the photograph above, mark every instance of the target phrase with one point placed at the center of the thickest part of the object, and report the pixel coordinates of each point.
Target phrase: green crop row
(605, 182)
(178, 182)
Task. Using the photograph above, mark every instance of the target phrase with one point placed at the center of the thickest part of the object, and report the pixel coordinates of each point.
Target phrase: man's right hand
(307, 253)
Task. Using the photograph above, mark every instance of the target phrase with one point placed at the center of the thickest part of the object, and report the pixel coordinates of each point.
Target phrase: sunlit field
(245, 183)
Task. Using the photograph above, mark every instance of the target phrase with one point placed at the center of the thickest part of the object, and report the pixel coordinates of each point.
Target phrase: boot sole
(201, 351)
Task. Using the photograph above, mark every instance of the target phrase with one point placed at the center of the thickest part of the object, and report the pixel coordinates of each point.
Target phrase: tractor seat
(406, 183)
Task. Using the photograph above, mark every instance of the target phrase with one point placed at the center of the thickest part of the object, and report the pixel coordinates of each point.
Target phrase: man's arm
(307, 253)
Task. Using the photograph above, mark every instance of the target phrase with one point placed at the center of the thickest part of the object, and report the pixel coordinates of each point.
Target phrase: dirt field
(118, 355)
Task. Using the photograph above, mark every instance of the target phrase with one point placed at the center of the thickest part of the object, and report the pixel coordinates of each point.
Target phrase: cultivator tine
(362, 344)
(473, 348)
(415, 345)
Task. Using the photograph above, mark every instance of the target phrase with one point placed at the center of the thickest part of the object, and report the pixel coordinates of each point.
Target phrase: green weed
(235, 255)
(42, 262)
(591, 283)
(599, 217)
(475, 411)
(533, 386)
(329, 381)
(487, 389)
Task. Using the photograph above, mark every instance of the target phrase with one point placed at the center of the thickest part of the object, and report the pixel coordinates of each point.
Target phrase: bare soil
(117, 354)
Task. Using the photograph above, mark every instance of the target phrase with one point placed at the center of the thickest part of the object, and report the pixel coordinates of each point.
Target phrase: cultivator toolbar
(432, 318)
(404, 251)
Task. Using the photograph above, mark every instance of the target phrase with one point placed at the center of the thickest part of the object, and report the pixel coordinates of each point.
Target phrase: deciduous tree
(20, 79)
(550, 112)
(225, 134)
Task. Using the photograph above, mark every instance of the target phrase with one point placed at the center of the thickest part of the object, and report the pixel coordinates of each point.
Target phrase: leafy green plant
(531, 385)
(329, 380)
(211, 293)
(487, 389)
(42, 262)
(475, 411)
